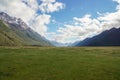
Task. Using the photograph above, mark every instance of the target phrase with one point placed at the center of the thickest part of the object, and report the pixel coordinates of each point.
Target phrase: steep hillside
(107, 38)
(16, 32)
(7, 36)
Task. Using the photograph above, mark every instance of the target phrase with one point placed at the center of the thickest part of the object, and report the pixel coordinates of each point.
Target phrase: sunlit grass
(50, 63)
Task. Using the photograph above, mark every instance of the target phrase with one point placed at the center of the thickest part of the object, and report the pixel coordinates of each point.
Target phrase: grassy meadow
(50, 63)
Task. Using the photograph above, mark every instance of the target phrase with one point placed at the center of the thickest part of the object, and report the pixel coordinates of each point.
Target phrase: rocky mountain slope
(14, 31)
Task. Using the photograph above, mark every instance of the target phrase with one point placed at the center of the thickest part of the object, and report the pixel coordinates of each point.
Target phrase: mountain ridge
(106, 38)
(19, 28)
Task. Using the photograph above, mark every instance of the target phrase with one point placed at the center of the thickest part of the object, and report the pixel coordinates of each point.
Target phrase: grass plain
(50, 63)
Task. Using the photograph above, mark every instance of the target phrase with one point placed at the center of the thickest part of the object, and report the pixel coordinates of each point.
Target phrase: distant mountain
(14, 31)
(74, 43)
(107, 38)
(58, 44)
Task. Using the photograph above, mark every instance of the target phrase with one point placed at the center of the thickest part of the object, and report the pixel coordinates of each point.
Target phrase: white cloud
(118, 6)
(48, 1)
(83, 20)
(40, 24)
(82, 28)
(87, 27)
(17, 8)
(110, 20)
(27, 11)
(31, 3)
(49, 6)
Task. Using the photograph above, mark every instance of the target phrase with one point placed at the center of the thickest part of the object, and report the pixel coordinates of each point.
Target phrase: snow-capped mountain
(20, 30)
(13, 20)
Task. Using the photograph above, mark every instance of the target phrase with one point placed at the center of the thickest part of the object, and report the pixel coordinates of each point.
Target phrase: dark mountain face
(107, 38)
(20, 29)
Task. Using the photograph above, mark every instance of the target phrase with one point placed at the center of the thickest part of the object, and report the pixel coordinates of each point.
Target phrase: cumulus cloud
(81, 28)
(49, 6)
(110, 20)
(87, 26)
(118, 6)
(17, 8)
(27, 11)
(40, 24)
(31, 3)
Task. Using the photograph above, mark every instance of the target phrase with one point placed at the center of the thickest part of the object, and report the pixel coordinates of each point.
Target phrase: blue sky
(65, 21)
(78, 8)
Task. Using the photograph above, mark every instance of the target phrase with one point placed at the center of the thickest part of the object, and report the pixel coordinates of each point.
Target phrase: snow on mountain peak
(13, 20)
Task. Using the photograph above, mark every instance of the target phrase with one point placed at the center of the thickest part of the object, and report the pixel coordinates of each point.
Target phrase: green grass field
(49, 63)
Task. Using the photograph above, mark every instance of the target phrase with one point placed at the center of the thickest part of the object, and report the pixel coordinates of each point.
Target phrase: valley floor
(50, 63)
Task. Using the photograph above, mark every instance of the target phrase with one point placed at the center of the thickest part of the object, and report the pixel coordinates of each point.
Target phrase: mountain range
(15, 32)
(106, 38)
